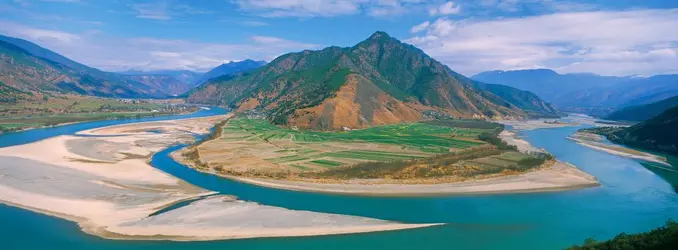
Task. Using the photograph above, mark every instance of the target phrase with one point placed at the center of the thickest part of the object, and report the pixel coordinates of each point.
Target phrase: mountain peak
(379, 35)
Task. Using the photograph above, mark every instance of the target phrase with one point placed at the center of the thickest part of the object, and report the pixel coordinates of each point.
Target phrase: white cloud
(328, 8)
(163, 11)
(254, 23)
(112, 53)
(152, 11)
(420, 27)
(446, 8)
(34, 34)
(604, 42)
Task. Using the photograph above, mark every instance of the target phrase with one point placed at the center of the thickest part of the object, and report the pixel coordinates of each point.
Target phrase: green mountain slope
(378, 81)
(525, 100)
(643, 112)
(27, 72)
(658, 133)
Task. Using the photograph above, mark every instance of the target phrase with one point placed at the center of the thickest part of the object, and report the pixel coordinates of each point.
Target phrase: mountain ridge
(231, 67)
(27, 72)
(378, 80)
(595, 94)
(643, 112)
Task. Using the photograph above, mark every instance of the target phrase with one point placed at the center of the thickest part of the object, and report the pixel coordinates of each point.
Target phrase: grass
(398, 151)
(427, 137)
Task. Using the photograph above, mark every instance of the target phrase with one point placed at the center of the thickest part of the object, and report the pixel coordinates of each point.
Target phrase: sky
(606, 37)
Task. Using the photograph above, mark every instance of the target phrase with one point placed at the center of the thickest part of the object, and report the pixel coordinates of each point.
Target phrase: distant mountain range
(26, 68)
(378, 81)
(582, 92)
(230, 68)
(171, 82)
(50, 72)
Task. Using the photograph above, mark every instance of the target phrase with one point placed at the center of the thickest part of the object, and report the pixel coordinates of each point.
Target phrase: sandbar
(101, 179)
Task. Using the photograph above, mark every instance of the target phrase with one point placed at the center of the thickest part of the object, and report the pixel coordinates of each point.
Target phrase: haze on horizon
(603, 37)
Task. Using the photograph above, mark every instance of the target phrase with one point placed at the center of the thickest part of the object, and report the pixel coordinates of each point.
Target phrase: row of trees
(662, 238)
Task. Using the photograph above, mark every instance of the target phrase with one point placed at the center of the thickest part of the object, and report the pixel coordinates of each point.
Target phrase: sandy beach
(594, 141)
(559, 177)
(101, 179)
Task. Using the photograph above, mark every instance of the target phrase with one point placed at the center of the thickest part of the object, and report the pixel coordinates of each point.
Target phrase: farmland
(256, 148)
(55, 110)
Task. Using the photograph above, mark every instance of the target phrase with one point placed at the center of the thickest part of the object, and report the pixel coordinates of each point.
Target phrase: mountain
(623, 93)
(585, 91)
(41, 52)
(643, 112)
(658, 133)
(546, 83)
(50, 72)
(525, 100)
(171, 82)
(185, 76)
(230, 68)
(378, 81)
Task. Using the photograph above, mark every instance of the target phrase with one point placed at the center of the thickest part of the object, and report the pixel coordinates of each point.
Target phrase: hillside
(378, 81)
(230, 68)
(643, 112)
(525, 100)
(658, 133)
(589, 93)
(22, 70)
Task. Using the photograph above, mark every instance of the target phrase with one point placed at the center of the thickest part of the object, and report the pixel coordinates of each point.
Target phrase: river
(631, 199)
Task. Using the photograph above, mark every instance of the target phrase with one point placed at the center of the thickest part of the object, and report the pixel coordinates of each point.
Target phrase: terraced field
(254, 145)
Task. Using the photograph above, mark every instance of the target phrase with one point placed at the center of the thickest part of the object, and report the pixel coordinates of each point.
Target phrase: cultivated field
(254, 147)
(72, 108)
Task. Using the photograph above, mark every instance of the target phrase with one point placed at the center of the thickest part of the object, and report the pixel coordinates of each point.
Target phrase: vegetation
(643, 112)
(399, 151)
(57, 110)
(34, 68)
(400, 71)
(662, 238)
(657, 134)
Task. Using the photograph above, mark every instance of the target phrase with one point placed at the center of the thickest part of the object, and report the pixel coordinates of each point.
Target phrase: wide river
(631, 199)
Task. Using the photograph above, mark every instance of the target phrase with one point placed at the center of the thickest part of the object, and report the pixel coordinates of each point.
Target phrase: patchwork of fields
(254, 145)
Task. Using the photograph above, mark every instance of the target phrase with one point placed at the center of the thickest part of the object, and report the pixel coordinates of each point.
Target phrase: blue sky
(608, 37)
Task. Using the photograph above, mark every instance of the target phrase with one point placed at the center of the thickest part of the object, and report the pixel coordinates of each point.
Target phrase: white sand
(534, 124)
(106, 185)
(580, 138)
(523, 146)
(559, 177)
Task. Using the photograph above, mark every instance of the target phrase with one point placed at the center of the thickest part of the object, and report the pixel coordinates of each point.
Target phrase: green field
(307, 150)
(425, 137)
(52, 111)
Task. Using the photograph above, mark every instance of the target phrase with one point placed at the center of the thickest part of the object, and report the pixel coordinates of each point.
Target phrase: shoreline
(638, 155)
(93, 120)
(463, 188)
(559, 177)
(106, 185)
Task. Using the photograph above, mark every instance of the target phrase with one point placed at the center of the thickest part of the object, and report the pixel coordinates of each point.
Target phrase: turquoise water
(631, 199)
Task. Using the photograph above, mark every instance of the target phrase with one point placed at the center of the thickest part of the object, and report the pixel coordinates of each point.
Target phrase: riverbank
(558, 177)
(37, 122)
(594, 141)
(551, 176)
(103, 182)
